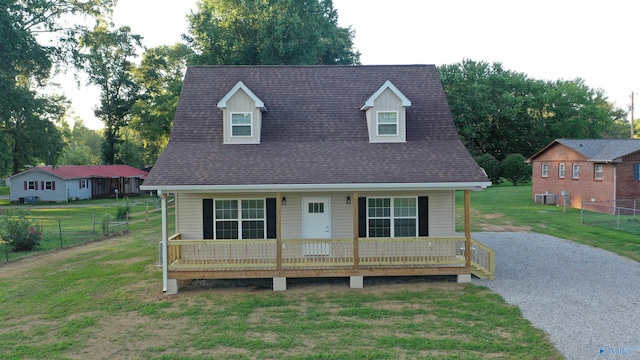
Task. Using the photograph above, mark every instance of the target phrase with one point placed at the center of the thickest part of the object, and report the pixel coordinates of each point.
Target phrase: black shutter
(362, 217)
(423, 216)
(271, 218)
(207, 218)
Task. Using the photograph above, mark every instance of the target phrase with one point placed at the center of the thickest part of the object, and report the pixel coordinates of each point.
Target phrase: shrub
(516, 169)
(122, 210)
(17, 230)
(491, 166)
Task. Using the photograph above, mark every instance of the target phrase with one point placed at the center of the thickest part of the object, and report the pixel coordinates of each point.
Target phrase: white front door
(316, 224)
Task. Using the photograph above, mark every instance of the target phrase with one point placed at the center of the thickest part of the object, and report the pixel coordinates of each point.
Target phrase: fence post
(94, 222)
(146, 215)
(107, 225)
(582, 213)
(618, 211)
(60, 232)
(6, 250)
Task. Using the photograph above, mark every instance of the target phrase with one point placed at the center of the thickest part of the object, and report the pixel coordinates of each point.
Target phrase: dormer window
(387, 123)
(241, 115)
(385, 111)
(241, 124)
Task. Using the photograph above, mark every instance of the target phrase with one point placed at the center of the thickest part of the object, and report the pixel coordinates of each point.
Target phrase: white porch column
(165, 224)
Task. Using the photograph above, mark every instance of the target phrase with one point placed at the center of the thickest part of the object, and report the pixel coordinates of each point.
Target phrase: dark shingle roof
(314, 131)
(602, 149)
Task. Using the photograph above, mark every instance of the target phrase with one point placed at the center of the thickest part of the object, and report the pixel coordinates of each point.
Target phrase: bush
(516, 169)
(17, 230)
(123, 210)
(491, 166)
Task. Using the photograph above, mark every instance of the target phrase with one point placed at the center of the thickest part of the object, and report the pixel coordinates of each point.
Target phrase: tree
(83, 144)
(32, 130)
(27, 134)
(159, 77)
(269, 32)
(516, 169)
(500, 112)
(106, 56)
(489, 105)
(491, 166)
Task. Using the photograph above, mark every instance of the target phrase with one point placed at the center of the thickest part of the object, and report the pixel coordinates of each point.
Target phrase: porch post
(467, 228)
(165, 227)
(356, 234)
(279, 231)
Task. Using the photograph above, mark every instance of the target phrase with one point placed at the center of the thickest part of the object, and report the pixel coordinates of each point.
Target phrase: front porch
(355, 257)
(214, 259)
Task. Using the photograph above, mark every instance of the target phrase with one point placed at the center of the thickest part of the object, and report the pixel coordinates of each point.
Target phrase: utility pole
(632, 128)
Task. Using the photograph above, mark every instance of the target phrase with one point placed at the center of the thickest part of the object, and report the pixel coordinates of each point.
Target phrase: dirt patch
(24, 265)
(503, 228)
(485, 221)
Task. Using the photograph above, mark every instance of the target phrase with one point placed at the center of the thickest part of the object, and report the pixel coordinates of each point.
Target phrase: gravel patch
(587, 299)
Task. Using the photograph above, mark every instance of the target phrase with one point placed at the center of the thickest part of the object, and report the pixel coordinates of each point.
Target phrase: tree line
(497, 112)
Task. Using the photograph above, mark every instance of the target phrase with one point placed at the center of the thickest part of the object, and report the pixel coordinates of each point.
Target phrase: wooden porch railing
(483, 261)
(221, 255)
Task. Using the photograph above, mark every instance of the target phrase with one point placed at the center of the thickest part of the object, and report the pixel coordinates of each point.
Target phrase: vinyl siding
(441, 212)
(64, 189)
(241, 102)
(387, 101)
(441, 209)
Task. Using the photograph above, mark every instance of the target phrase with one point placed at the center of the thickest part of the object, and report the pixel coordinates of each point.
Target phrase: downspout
(165, 275)
(615, 187)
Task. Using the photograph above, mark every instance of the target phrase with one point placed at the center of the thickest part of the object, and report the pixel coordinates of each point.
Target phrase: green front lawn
(511, 208)
(104, 301)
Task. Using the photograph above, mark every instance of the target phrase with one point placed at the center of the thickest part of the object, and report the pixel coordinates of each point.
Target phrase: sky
(545, 39)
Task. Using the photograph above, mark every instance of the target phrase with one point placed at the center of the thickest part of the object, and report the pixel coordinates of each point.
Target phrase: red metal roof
(91, 171)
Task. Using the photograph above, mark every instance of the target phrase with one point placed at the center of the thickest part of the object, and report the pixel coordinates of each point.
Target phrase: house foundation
(279, 284)
(356, 282)
(172, 287)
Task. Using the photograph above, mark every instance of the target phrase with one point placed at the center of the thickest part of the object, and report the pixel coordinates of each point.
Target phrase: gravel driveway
(586, 299)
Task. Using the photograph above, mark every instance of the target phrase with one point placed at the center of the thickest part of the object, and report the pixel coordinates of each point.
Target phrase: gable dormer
(242, 115)
(386, 114)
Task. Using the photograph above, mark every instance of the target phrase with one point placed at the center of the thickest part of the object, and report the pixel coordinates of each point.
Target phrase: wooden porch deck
(325, 257)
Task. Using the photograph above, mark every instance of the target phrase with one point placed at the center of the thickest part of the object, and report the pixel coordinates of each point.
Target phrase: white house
(305, 171)
(75, 182)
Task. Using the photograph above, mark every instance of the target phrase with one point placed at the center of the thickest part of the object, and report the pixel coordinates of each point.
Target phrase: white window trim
(595, 171)
(48, 185)
(545, 170)
(84, 184)
(575, 174)
(397, 123)
(31, 185)
(239, 219)
(561, 170)
(391, 213)
(232, 125)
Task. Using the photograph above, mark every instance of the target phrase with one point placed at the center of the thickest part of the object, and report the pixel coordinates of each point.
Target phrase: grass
(63, 227)
(509, 207)
(4, 191)
(104, 300)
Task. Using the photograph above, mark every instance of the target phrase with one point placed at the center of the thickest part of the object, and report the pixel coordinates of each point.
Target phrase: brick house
(593, 170)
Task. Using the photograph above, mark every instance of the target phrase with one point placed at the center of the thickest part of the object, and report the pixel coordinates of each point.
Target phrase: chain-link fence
(622, 215)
